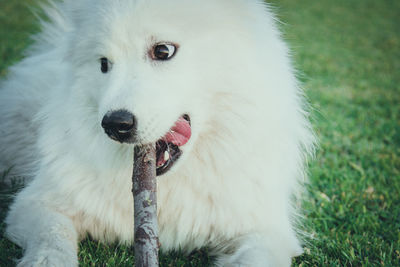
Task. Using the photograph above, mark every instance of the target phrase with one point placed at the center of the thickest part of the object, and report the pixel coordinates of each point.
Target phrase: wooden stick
(145, 206)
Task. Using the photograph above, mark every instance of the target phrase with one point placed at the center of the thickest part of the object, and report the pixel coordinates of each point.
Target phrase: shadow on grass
(94, 253)
(8, 251)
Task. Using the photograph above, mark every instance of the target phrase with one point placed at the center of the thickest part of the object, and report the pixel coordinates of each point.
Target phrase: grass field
(348, 54)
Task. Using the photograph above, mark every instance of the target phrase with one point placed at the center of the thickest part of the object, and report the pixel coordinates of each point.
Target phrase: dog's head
(160, 71)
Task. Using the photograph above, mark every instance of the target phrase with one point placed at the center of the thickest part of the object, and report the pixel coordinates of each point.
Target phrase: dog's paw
(244, 260)
(49, 258)
(247, 256)
(253, 250)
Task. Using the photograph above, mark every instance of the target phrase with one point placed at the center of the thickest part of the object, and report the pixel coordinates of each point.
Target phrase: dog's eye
(105, 65)
(163, 51)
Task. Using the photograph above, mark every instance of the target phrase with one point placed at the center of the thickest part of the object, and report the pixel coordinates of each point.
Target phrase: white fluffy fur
(233, 186)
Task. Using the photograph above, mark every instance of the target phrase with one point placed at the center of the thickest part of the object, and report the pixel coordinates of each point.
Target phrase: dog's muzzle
(120, 126)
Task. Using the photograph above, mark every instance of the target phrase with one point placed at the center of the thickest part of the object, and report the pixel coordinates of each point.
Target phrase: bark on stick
(145, 206)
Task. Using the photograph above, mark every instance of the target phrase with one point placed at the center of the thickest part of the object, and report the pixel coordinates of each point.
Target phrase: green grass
(348, 53)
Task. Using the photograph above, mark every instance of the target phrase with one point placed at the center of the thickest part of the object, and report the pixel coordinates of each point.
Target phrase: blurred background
(348, 56)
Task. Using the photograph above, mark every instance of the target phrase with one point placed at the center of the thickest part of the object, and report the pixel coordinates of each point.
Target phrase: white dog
(209, 80)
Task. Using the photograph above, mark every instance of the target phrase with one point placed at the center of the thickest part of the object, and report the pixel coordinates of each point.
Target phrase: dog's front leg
(257, 250)
(48, 237)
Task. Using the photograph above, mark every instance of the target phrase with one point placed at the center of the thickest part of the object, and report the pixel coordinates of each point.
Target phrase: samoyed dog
(210, 82)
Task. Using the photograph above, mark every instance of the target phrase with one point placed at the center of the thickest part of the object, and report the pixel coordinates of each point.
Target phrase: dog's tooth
(166, 155)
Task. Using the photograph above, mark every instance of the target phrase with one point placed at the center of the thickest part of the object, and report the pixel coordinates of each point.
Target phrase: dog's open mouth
(168, 147)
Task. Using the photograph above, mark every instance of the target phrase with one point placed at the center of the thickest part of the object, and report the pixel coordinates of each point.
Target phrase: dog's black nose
(120, 126)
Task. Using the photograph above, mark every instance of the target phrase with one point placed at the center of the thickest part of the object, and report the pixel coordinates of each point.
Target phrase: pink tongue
(179, 134)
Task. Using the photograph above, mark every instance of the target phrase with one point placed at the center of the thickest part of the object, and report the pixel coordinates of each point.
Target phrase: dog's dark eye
(105, 65)
(163, 51)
